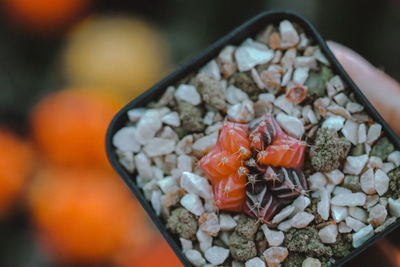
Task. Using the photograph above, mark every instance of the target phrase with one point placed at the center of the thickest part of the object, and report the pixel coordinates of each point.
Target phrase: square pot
(247, 29)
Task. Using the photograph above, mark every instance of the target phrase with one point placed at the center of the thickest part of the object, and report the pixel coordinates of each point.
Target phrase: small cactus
(255, 168)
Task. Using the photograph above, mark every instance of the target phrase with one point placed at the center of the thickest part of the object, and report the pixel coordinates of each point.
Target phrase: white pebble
(335, 177)
(383, 201)
(143, 166)
(388, 166)
(289, 35)
(205, 143)
(355, 164)
(255, 262)
(209, 223)
(283, 103)
(334, 122)
(311, 262)
(274, 238)
(350, 131)
(362, 133)
(395, 158)
(301, 203)
(328, 234)
(214, 128)
(127, 160)
(168, 133)
(188, 93)
(341, 190)
(197, 185)
(241, 112)
(147, 186)
(147, 127)
(125, 140)
(216, 255)
(257, 79)
(358, 213)
(354, 224)
(371, 201)
(266, 97)
(224, 236)
(226, 222)
(341, 99)
(302, 219)
(184, 146)
(159, 146)
(135, 114)
(195, 257)
(275, 255)
(285, 226)
(209, 118)
(367, 182)
(394, 207)
(156, 201)
(209, 205)
(305, 62)
(374, 132)
(168, 185)
(171, 119)
(308, 114)
(283, 214)
(353, 199)
(337, 83)
(234, 95)
(192, 203)
(300, 75)
(205, 240)
(292, 125)
(211, 69)
(367, 148)
(250, 54)
(381, 182)
(343, 228)
(363, 235)
(339, 213)
(377, 215)
(354, 107)
(324, 205)
(375, 163)
(186, 244)
(317, 181)
(185, 163)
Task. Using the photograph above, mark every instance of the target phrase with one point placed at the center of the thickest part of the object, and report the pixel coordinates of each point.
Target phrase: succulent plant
(255, 168)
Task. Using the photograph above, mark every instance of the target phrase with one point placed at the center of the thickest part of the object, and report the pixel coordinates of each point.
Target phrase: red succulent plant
(255, 168)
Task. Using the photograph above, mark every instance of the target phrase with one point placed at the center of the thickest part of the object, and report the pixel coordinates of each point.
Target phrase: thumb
(380, 89)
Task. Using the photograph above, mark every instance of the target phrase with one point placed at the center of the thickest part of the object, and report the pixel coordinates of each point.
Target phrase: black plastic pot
(248, 29)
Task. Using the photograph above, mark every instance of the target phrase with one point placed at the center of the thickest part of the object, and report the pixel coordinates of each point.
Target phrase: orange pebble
(69, 127)
(85, 215)
(15, 167)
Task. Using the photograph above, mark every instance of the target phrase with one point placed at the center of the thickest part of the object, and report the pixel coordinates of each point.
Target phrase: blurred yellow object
(16, 162)
(86, 215)
(44, 16)
(121, 54)
(69, 126)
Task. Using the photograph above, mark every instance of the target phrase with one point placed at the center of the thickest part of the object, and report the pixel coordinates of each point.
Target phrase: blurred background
(67, 66)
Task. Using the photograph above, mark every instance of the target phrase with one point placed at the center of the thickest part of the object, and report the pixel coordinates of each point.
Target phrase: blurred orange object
(121, 55)
(69, 127)
(158, 253)
(44, 16)
(16, 164)
(86, 215)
